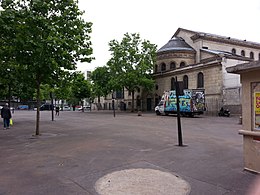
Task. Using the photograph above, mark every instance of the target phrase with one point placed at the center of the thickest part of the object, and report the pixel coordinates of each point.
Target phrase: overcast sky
(157, 21)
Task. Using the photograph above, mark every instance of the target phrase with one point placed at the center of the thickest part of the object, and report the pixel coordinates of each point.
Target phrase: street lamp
(9, 86)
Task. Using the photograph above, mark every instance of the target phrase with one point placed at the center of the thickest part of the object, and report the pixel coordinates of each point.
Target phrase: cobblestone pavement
(77, 149)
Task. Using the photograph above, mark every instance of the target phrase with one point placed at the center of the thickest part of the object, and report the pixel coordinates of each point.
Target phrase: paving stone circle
(141, 182)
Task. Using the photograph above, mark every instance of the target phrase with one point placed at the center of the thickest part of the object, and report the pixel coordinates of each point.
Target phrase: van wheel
(191, 115)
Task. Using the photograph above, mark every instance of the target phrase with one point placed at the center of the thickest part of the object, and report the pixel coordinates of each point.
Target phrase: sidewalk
(78, 149)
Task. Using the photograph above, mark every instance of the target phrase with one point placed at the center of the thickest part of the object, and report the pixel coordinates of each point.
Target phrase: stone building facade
(200, 61)
(123, 101)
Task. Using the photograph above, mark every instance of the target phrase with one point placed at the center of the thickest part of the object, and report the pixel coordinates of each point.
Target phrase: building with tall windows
(200, 60)
(87, 74)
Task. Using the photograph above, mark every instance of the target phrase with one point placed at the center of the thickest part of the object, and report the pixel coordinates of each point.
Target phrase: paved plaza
(79, 153)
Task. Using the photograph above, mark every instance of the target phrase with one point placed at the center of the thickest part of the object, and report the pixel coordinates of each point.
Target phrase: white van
(159, 109)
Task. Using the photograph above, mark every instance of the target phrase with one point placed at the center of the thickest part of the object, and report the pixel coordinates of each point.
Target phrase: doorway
(149, 104)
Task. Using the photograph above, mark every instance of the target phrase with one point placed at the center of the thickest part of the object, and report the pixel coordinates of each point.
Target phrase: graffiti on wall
(190, 101)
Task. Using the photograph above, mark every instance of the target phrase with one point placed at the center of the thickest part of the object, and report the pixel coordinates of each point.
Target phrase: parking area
(77, 149)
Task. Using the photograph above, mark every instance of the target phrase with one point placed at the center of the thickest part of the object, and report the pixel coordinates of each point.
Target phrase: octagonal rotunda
(174, 54)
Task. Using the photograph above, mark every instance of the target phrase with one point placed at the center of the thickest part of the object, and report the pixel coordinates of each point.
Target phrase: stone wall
(212, 104)
(232, 100)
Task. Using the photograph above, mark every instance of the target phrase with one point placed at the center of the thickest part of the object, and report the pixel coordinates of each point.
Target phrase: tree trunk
(82, 103)
(98, 104)
(62, 104)
(9, 95)
(52, 107)
(38, 109)
(133, 101)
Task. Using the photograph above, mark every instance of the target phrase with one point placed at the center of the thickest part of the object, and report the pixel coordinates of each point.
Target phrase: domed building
(200, 60)
(173, 55)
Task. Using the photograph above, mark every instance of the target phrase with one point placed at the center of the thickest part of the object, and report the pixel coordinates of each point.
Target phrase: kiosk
(250, 79)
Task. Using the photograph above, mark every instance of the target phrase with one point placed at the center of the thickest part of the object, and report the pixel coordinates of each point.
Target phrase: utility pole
(113, 106)
(52, 107)
(177, 87)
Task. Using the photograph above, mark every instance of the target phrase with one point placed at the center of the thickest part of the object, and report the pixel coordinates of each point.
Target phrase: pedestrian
(57, 109)
(6, 115)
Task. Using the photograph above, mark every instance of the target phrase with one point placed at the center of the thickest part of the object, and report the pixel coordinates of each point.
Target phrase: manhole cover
(141, 182)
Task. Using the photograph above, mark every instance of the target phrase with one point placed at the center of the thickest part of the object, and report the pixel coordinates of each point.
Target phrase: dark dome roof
(176, 44)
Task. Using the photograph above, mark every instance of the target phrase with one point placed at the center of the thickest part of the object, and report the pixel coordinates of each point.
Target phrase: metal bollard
(240, 120)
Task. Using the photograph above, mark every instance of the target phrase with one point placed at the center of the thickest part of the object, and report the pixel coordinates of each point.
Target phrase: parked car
(46, 107)
(66, 108)
(23, 107)
(85, 108)
(78, 107)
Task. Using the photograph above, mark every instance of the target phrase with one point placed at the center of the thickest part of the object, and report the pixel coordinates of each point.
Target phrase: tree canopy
(131, 63)
(81, 88)
(101, 82)
(44, 39)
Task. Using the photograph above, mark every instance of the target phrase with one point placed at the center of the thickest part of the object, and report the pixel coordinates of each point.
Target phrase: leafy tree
(5, 83)
(12, 85)
(131, 63)
(73, 101)
(45, 38)
(62, 88)
(23, 91)
(81, 88)
(45, 90)
(101, 77)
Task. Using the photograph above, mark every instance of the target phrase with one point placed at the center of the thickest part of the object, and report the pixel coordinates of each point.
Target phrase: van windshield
(160, 103)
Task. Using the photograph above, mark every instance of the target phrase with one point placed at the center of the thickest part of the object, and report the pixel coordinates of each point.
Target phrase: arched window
(182, 64)
(243, 53)
(200, 81)
(156, 68)
(233, 51)
(163, 67)
(172, 65)
(156, 87)
(185, 82)
(251, 55)
(172, 83)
